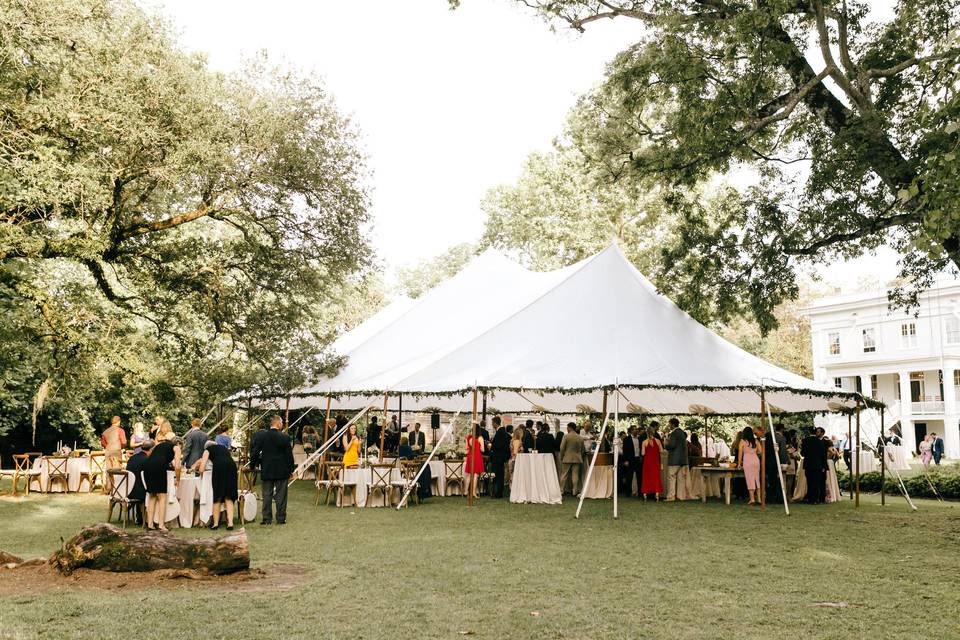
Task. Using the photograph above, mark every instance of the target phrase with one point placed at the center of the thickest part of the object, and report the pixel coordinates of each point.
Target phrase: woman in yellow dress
(351, 448)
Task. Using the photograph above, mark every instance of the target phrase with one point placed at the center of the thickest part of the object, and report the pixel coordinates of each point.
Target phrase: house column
(906, 412)
(951, 435)
(865, 384)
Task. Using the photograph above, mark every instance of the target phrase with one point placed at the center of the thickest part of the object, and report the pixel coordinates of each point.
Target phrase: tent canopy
(549, 342)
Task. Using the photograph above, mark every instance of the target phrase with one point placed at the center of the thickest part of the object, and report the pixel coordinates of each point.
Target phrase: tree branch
(912, 61)
(142, 227)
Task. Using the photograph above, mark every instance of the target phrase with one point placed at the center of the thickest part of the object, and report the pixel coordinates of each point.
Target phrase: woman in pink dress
(750, 463)
(474, 460)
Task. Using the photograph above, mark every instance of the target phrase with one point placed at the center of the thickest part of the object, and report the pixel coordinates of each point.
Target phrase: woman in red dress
(474, 460)
(651, 481)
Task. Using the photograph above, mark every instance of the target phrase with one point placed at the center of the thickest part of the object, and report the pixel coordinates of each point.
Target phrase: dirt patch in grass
(34, 579)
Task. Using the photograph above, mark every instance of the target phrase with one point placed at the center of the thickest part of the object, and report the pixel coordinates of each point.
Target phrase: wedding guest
(373, 433)
(545, 441)
(651, 481)
(164, 455)
(391, 438)
(274, 455)
(135, 466)
(404, 452)
(473, 468)
(571, 459)
(814, 452)
(417, 439)
(529, 440)
(676, 461)
(656, 431)
(936, 447)
(164, 432)
(155, 428)
(632, 461)
(113, 440)
(793, 456)
(749, 461)
(139, 436)
(224, 481)
(223, 437)
(193, 443)
(694, 449)
(351, 448)
(310, 440)
(516, 447)
(499, 455)
(926, 451)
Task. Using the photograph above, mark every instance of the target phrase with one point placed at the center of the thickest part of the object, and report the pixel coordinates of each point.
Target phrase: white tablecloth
(75, 466)
(535, 479)
(363, 479)
(601, 483)
(897, 458)
(867, 463)
(833, 487)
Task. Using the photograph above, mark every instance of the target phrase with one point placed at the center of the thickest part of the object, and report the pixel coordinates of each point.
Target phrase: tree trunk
(109, 548)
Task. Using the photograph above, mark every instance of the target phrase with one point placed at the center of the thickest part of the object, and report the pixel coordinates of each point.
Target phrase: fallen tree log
(9, 558)
(109, 548)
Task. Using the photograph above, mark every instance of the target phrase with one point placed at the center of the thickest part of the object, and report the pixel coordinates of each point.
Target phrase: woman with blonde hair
(516, 447)
(165, 431)
(163, 456)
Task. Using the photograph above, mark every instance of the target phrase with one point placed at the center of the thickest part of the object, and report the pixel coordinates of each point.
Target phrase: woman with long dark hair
(750, 463)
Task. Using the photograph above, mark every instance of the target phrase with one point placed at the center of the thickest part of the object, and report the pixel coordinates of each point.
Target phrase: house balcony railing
(927, 407)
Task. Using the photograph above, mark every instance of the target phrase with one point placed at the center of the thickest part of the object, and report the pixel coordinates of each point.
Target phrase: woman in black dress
(163, 455)
(224, 481)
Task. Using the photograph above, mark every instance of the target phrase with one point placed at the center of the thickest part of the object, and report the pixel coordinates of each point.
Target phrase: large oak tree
(846, 119)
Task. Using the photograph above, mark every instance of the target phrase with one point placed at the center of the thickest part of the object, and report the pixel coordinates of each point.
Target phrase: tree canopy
(418, 278)
(846, 120)
(167, 233)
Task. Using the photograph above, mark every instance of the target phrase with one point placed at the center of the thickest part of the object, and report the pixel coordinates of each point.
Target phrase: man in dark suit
(545, 440)
(528, 442)
(814, 452)
(937, 448)
(632, 461)
(417, 439)
(499, 454)
(271, 451)
(373, 433)
(135, 466)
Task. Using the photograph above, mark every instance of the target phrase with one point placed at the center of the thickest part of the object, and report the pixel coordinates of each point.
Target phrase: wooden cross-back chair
(330, 480)
(22, 468)
(57, 472)
(408, 472)
(121, 483)
(381, 474)
(95, 471)
(453, 474)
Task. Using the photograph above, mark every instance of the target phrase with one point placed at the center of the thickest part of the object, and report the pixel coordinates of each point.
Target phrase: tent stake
(883, 462)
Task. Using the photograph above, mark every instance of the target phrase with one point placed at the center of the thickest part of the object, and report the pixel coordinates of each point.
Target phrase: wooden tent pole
(763, 454)
(286, 414)
(850, 448)
(616, 425)
(473, 442)
(383, 427)
(326, 431)
(883, 462)
(857, 498)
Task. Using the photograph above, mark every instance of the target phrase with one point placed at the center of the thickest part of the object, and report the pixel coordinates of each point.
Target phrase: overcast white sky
(449, 103)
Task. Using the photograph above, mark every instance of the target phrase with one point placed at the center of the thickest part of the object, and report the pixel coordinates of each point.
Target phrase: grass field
(682, 570)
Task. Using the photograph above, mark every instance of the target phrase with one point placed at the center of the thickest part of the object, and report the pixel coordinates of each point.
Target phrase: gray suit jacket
(193, 443)
(677, 447)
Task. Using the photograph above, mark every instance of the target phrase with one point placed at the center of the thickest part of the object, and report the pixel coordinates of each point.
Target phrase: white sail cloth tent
(549, 342)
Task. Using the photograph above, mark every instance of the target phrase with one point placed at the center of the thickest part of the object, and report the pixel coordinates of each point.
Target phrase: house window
(833, 342)
(869, 340)
(908, 335)
(956, 378)
(873, 387)
(838, 383)
(952, 330)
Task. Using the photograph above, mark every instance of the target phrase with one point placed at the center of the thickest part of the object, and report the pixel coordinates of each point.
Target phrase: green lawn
(682, 570)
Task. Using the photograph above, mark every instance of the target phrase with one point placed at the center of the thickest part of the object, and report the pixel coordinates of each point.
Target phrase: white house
(908, 360)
